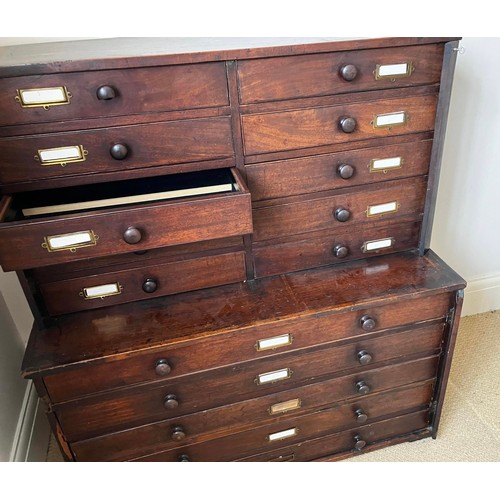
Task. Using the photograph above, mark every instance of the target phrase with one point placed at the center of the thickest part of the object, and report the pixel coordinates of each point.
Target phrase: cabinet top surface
(179, 318)
(106, 53)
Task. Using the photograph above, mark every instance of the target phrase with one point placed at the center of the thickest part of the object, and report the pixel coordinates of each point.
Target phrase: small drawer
(139, 283)
(387, 201)
(63, 225)
(94, 416)
(277, 78)
(333, 248)
(114, 149)
(99, 94)
(312, 174)
(352, 441)
(165, 435)
(238, 346)
(322, 126)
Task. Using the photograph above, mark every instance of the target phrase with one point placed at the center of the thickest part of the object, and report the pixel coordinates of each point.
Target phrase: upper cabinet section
(102, 94)
(281, 78)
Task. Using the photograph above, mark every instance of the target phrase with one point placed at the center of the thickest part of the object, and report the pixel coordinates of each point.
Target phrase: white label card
(96, 292)
(43, 96)
(386, 163)
(283, 434)
(292, 404)
(60, 154)
(266, 378)
(371, 246)
(70, 240)
(390, 119)
(384, 208)
(387, 70)
(274, 342)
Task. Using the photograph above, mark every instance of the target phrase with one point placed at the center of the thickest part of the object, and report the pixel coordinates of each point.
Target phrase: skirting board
(33, 430)
(482, 295)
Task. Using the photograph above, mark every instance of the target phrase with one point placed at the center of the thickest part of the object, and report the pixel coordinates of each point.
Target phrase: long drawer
(332, 247)
(97, 94)
(277, 179)
(96, 416)
(139, 283)
(175, 433)
(114, 149)
(311, 127)
(277, 78)
(270, 439)
(67, 232)
(388, 201)
(240, 345)
(352, 441)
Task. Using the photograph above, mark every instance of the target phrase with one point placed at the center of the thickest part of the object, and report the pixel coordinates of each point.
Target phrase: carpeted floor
(469, 430)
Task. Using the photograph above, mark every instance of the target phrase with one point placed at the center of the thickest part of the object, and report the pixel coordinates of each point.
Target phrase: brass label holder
(61, 156)
(101, 291)
(43, 97)
(393, 71)
(70, 241)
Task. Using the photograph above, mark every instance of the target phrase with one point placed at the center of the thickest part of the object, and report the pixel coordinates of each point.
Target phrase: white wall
(466, 231)
(466, 228)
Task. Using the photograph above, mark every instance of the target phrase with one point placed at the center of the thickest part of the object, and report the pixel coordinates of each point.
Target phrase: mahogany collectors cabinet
(226, 250)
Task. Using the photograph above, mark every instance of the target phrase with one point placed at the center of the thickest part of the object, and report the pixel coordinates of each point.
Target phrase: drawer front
(114, 149)
(389, 201)
(70, 96)
(343, 442)
(27, 244)
(153, 438)
(311, 127)
(334, 248)
(241, 345)
(141, 283)
(293, 77)
(291, 177)
(96, 416)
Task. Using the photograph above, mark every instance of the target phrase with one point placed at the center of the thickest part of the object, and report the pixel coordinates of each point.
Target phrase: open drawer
(62, 225)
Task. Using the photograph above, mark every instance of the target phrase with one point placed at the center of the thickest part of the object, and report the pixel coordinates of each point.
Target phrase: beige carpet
(470, 424)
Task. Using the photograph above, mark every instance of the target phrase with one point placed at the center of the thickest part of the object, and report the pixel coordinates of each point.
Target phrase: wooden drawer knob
(348, 72)
(361, 416)
(347, 124)
(162, 367)
(150, 285)
(345, 171)
(367, 323)
(362, 387)
(184, 458)
(171, 402)
(119, 151)
(132, 236)
(342, 214)
(359, 443)
(106, 93)
(364, 357)
(178, 433)
(340, 251)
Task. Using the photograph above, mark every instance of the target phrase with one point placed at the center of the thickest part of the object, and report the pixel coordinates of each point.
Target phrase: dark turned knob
(105, 93)
(178, 433)
(348, 72)
(367, 323)
(340, 251)
(183, 458)
(362, 388)
(364, 357)
(342, 214)
(171, 402)
(361, 416)
(132, 236)
(162, 367)
(347, 124)
(345, 171)
(118, 151)
(150, 285)
(359, 443)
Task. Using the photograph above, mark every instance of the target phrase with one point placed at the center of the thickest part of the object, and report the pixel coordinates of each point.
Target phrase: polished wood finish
(301, 318)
